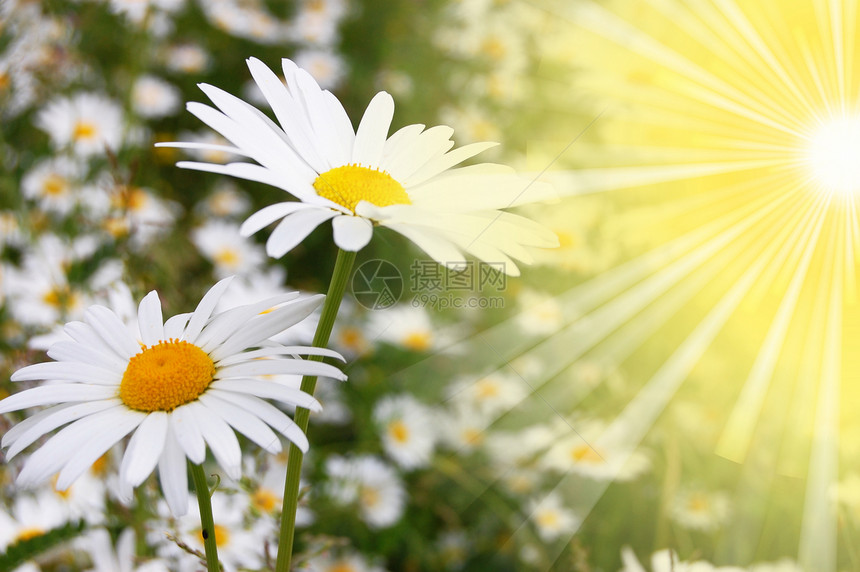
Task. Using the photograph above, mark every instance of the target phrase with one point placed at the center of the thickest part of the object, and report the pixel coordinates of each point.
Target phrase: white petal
(226, 324)
(223, 443)
(29, 430)
(150, 320)
(183, 425)
(280, 351)
(280, 367)
(64, 351)
(172, 473)
(439, 249)
(174, 326)
(96, 446)
(204, 310)
(269, 414)
(264, 326)
(243, 422)
(352, 233)
(373, 130)
(269, 390)
(267, 215)
(294, 228)
(431, 144)
(299, 187)
(445, 162)
(203, 147)
(86, 336)
(144, 449)
(401, 137)
(66, 371)
(58, 393)
(56, 451)
(111, 329)
(125, 550)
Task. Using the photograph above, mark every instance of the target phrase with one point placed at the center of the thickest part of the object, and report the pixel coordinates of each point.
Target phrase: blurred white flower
(152, 97)
(344, 562)
(368, 483)
(86, 122)
(30, 516)
(551, 518)
(700, 509)
(490, 394)
(408, 430)
(52, 183)
(105, 558)
(326, 67)
(228, 251)
(187, 58)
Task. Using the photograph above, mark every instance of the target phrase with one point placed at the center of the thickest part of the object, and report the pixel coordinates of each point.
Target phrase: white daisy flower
(370, 484)
(176, 386)
(699, 509)
(153, 97)
(349, 562)
(187, 58)
(326, 67)
(123, 558)
(228, 251)
(491, 394)
(52, 184)
(88, 122)
(407, 428)
(362, 178)
(552, 520)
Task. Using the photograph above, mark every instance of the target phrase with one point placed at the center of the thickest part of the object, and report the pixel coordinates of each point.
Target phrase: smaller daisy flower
(349, 562)
(238, 546)
(88, 122)
(225, 201)
(699, 509)
(229, 252)
(370, 484)
(187, 58)
(552, 519)
(123, 558)
(152, 97)
(490, 394)
(29, 517)
(408, 327)
(327, 68)
(52, 184)
(176, 386)
(407, 428)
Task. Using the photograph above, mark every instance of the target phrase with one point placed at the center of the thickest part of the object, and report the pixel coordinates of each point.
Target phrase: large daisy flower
(176, 386)
(361, 178)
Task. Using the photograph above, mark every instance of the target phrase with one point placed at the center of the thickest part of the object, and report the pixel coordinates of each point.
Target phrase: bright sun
(834, 155)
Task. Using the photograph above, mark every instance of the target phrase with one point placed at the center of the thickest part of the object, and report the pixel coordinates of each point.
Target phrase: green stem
(339, 278)
(207, 523)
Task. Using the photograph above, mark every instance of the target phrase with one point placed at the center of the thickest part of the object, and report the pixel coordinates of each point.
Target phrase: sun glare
(834, 155)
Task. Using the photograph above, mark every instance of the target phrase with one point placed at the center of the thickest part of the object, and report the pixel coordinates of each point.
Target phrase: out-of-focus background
(674, 388)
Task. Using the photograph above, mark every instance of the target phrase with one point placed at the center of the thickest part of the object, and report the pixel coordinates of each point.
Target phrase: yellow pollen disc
(54, 185)
(350, 184)
(84, 130)
(698, 503)
(398, 431)
(264, 500)
(472, 436)
(418, 341)
(222, 535)
(228, 257)
(4, 80)
(342, 567)
(369, 497)
(487, 388)
(548, 519)
(165, 376)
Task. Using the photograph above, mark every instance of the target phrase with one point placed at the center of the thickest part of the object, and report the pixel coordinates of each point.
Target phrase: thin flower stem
(339, 278)
(207, 523)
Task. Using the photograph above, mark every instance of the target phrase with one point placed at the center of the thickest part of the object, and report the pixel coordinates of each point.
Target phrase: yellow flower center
(264, 500)
(472, 436)
(487, 388)
(698, 503)
(228, 257)
(222, 535)
(4, 80)
(165, 376)
(398, 431)
(60, 297)
(342, 566)
(350, 184)
(418, 341)
(548, 519)
(84, 130)
(54, 185)
(369, 497)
